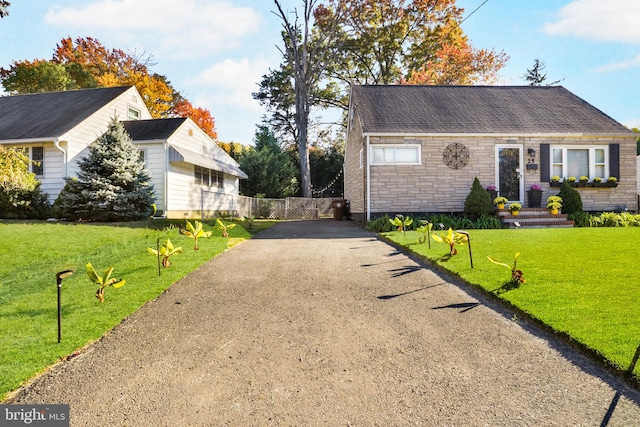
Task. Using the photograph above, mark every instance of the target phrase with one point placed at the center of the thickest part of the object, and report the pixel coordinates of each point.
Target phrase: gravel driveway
(319, 323)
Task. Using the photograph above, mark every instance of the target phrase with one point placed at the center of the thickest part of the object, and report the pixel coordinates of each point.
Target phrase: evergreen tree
(478, 202)
(271, 171)
(112, 184)
(571, 199)
(535, 75)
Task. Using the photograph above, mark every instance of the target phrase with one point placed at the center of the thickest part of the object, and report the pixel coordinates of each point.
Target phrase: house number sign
(456, 156)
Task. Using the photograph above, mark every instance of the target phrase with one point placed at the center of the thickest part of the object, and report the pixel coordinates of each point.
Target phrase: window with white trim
(37, 160)
(208, 177)
(577, 161)
(397, 154)
(361, 158)
(133, 114)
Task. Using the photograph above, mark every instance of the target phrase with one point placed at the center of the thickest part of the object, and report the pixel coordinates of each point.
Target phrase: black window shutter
(614, 160)
(545, 163)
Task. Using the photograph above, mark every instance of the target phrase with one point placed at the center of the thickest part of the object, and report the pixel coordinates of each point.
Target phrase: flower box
(605, 184)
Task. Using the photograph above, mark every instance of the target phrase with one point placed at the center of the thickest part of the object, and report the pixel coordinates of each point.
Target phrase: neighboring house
(417, 149)
(190, 172)
(56, 128)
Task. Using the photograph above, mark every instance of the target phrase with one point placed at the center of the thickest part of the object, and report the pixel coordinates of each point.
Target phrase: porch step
(533, 218)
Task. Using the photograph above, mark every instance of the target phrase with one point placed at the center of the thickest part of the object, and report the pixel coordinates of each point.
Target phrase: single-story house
(190, 173)
(417, 149)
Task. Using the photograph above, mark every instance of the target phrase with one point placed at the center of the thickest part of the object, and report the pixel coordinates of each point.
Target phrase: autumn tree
(201, 116)
(397, 41)
(234, 149)
(87, 63)
(36, 76)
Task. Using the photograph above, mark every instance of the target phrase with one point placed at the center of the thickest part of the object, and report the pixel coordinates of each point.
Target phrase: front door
(508, 172)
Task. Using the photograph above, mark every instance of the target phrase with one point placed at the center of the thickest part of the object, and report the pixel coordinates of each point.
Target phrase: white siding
(95, 125)
(155, 164)
(51, 181)
(185, 197)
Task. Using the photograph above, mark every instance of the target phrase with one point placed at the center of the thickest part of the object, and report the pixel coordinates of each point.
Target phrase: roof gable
(477, 109)
(51, 114)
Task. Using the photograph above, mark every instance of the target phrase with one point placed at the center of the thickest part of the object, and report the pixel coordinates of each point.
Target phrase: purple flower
(491, 187)
(536, 187)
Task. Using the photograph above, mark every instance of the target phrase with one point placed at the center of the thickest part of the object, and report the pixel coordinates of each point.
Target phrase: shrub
(381, 224)
(478, 202)
(612, 219)
(24, 203)
(571, 199)
(580, 219)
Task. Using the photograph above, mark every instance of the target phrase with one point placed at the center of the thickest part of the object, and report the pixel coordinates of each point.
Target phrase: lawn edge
(14, 394)
(525, 319)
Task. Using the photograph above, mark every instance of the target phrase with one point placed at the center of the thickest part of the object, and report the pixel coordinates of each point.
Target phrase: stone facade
(483, 122)
(433, 187)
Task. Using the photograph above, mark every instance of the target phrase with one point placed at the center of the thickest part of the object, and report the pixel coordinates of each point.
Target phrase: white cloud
(189, 28)
(605, 20)
(620, 66)
(232, 82)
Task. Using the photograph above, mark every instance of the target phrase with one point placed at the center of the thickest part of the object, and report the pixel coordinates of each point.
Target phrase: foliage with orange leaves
(405, 41)
(201, 116)
(86, 63)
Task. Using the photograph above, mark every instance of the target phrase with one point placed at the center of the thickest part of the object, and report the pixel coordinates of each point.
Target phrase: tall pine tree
(112, 184)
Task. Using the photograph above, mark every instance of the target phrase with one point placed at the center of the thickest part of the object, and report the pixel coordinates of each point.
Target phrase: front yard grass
(582, 282)
(31, 253)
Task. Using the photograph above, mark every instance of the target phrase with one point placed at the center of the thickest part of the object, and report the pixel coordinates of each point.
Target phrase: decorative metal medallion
(456, 156)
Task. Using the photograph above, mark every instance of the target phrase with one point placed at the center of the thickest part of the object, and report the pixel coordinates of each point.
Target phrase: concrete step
(534, 218)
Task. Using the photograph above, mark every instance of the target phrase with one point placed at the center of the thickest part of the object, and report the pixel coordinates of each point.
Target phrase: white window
(37, 160)
(142, 155)
(361, 158)
(577, 161)
(208, 177)
(405, 154)
(133, 114)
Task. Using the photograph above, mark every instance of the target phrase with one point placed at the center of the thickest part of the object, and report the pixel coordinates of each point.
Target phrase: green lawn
(580, 281)
(32, 253)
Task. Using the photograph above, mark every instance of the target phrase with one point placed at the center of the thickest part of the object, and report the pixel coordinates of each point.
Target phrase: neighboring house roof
(152, 130)
(52, 114)
(477, 110)
(162, 129)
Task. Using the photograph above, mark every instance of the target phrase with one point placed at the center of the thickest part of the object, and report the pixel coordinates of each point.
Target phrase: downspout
(56, 144)
(368, 184)
(166, 179)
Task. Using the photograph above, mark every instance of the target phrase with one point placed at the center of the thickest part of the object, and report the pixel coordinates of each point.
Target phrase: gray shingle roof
(151, 130)
(45, 115)
(478, 109)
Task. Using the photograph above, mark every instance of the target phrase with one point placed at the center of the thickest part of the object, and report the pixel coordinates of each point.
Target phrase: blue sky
(215, 51)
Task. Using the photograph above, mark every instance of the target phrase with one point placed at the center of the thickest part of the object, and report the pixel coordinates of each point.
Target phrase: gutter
(56, 144)
(368, 190)
(166, 178)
